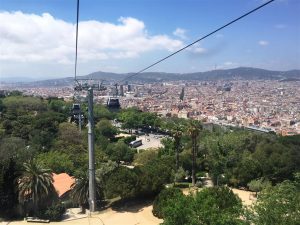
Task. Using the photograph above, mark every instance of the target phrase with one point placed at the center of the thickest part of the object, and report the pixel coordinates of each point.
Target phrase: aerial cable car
(113, 102)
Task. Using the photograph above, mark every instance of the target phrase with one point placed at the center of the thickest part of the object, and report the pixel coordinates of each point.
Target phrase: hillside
(246, 73)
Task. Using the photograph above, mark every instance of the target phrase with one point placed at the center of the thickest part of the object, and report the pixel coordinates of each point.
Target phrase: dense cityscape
(265, 105)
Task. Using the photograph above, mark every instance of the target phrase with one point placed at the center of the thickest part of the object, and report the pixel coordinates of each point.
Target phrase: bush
(201, 174)
(162, 199)
(55, 212)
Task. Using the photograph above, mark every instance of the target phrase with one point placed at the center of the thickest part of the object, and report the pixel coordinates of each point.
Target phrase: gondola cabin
(76, 114)
(76, 109)
(113, 103)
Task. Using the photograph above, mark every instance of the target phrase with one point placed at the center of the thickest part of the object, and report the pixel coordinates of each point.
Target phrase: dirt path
(132, 215)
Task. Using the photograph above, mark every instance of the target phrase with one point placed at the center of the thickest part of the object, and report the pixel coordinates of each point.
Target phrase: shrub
(201, 174)
(162, 199)
(55, 212)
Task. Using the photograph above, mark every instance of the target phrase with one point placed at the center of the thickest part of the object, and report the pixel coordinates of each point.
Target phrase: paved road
(151, 141)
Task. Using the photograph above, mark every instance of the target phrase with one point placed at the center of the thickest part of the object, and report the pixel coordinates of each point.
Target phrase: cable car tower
(88, 85)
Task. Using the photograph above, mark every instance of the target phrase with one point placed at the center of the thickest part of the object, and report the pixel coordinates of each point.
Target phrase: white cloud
(181, 33)
(43, 38)
(197, 49)
(263, 43)
(280, 26)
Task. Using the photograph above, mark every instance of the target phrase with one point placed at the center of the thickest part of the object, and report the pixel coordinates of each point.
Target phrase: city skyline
(125, 36)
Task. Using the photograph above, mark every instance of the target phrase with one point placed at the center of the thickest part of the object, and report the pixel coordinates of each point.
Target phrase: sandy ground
(151, 141)
(247, 197)
(134, 215)
(128, 215)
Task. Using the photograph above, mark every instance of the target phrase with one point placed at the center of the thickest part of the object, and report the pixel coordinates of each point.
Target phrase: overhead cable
(200, 39)
(77, 19)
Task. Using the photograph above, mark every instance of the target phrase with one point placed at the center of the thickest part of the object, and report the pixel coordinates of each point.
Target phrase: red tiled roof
(62, 183)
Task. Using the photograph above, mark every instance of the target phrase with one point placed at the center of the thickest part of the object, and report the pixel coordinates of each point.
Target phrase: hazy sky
(37, 37)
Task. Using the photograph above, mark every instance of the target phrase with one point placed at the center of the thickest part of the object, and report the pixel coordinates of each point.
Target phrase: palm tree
(80, 191)
(193, 131)
(177, 138)
(35, 184)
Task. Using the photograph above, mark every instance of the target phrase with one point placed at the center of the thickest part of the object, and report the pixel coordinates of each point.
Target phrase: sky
(37, 37)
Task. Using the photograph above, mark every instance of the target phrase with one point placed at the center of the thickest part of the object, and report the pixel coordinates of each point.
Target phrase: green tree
(179, 211)
(101, 112)
(122, 182)
(1, 106)
(71, 142)
(168, 146)
(120, 152)
(104, 170)
(105, 128)
(149, 119)
(58, 162)
(179, 175)
(19, 105)
(247, 169)
(8, 195)
(258, 185)
(45, 129)
(210, 206)
(161, 200)
(143, 157)
(59, 105)
(277, 161)
(35, 184)
(154, 175)
(218, 206)
(14, 148)
(130, 118)
(278, 205)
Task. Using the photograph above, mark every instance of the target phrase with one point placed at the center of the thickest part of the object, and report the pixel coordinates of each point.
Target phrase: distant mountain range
(246, 73)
